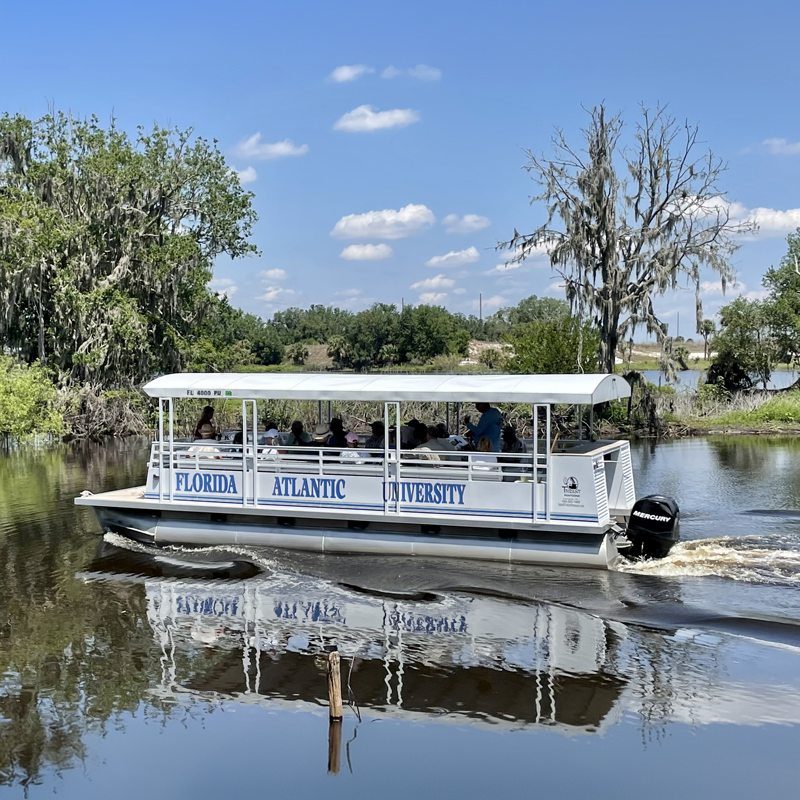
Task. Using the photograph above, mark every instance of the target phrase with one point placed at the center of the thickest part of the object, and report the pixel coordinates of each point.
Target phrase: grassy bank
(758, 412)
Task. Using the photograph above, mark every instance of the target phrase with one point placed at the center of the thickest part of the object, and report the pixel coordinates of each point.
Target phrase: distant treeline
(383, 335)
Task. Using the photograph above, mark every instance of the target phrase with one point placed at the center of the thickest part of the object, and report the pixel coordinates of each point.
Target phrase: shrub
(27, 397)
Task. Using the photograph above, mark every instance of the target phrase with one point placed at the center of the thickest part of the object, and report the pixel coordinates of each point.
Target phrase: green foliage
(783, 284)
(107, 244)
(338, 349)
(744, 345)
(706, 330)
(27, 400)
(297, 353)
(551, 347)
(491, 357)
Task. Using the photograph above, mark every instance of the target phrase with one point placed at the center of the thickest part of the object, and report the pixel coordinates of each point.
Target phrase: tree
(553, 347)
(388, 355)
(706, 330)
(533, 309)
(107, 244)
(491, 357)
(744, 345)
(297, 353)
(369, 331)
(338, 349)
(783, 284)
(426, 332)
(618, 242)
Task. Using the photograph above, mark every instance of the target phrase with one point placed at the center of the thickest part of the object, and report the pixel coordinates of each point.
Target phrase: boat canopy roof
(571, 389)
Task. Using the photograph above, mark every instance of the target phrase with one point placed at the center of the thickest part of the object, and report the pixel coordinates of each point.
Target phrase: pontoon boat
(568, 502)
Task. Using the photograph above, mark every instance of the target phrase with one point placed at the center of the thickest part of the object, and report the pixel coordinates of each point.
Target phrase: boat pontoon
(568, 502)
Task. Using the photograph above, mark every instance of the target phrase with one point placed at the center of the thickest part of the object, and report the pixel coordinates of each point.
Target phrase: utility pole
(480, 306)
(402, 304)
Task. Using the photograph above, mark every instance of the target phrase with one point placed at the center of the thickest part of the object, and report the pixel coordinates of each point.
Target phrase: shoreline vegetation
(108, 242)
(32, 406)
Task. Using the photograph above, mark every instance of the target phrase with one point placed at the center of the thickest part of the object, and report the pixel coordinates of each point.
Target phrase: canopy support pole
(244, 452)
(591, 423)
(171, 447)
(160, 449)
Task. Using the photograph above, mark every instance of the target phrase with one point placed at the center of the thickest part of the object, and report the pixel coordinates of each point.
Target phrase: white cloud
(386, 224)
(780, 147)
(366, 252)
(555, 289)
(273, 274)
(429, 284)
(503, 269)
(469, 223)
(345, 74)
(460, 290)
(349, 293)
(366, 119)
(431, 298)
(253, 148)
(247, 175)
(276, 294)
(489, 303)
(455, 258)
(223, 286)
(775, 223)
(771, 222)
(421, 72)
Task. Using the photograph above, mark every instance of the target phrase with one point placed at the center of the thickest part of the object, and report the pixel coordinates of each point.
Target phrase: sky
(385, 142)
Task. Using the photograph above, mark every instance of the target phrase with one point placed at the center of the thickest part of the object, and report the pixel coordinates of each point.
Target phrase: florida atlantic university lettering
(204, 482)
(450, 494)
(323, 488)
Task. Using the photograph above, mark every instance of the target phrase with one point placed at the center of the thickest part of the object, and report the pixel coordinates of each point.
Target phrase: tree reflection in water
(90, 638)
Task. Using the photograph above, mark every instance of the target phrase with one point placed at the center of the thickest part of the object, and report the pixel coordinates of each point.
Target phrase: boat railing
(328, 460)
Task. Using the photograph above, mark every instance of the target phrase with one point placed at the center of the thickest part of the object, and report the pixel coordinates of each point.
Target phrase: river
(127, 672)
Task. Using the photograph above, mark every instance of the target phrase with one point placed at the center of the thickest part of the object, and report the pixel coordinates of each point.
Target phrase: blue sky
(472, 84)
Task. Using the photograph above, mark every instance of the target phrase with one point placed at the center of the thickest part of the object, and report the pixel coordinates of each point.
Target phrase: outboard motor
(654, 527)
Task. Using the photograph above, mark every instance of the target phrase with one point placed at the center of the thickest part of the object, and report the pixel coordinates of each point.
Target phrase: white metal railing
(212, 454)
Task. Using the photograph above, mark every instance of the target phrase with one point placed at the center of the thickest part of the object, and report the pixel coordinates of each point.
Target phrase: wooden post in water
(335, 708)
(334, 687)
(334, 746)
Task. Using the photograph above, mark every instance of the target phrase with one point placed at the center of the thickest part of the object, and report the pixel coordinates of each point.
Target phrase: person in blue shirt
(490, 425)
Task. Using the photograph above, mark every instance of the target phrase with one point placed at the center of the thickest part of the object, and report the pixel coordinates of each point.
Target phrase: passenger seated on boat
(205, 425)
(353, 452)
(338, 434)
(376, 441)
(511, 444)
(272, 440)
(428, 448)
(412, 434)
(270, 432)
(484, 461)
(297, 436)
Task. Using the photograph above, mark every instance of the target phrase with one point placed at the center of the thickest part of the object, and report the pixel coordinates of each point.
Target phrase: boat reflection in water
(450, 656)
(454, 658)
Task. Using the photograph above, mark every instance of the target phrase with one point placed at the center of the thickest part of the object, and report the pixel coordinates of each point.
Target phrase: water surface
(127, 671)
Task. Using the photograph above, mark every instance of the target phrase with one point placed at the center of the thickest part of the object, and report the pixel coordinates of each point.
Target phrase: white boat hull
(512, 546)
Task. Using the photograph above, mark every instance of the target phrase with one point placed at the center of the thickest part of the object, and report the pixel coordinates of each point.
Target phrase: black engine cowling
(654, 527)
